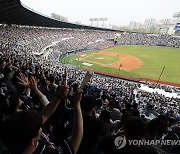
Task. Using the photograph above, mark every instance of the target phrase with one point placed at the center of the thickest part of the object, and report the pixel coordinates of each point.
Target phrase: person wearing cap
(22, 133)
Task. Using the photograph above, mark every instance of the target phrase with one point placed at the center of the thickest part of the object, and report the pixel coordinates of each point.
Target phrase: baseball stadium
(136, 62)
(73, 88)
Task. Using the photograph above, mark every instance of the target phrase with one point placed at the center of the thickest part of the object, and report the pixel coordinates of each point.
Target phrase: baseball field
(132, 61)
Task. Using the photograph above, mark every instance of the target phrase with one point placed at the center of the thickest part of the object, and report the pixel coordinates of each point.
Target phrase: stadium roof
(15, 12)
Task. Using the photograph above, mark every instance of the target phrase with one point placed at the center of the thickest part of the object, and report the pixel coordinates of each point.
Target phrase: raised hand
(23, 80)
(120, 131)
(77, 97)
(63, 91)
(33, 83)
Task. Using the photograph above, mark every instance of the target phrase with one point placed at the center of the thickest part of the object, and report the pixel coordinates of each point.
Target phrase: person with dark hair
(127, 105)
(157, 127)
(115, 112)
(92, 127)
(134, 128)
(2, 64)
(8, 74)
(22, 133)
(14, 103)
(105, 116)
(134, 110)
(173, 134)
(98, 107)
(52, 87)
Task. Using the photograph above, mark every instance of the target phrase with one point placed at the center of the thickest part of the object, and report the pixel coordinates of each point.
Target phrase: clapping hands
(27, 83)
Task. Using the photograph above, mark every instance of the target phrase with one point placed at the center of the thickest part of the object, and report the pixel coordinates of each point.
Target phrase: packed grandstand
(111, 107)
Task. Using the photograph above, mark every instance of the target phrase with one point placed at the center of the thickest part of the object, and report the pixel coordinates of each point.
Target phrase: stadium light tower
(101, 19)
(104, 19)
(96, 19)
(91, 19)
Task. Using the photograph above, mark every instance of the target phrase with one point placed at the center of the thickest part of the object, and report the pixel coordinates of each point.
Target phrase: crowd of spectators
(149, 39)
(110, 107)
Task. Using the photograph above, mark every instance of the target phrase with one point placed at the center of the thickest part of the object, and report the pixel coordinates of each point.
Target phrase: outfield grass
(153, 59)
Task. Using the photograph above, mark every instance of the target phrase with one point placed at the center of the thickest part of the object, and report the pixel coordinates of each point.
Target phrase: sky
(118, 12)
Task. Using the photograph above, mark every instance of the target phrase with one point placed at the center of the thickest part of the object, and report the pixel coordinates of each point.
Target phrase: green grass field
(153, 59)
